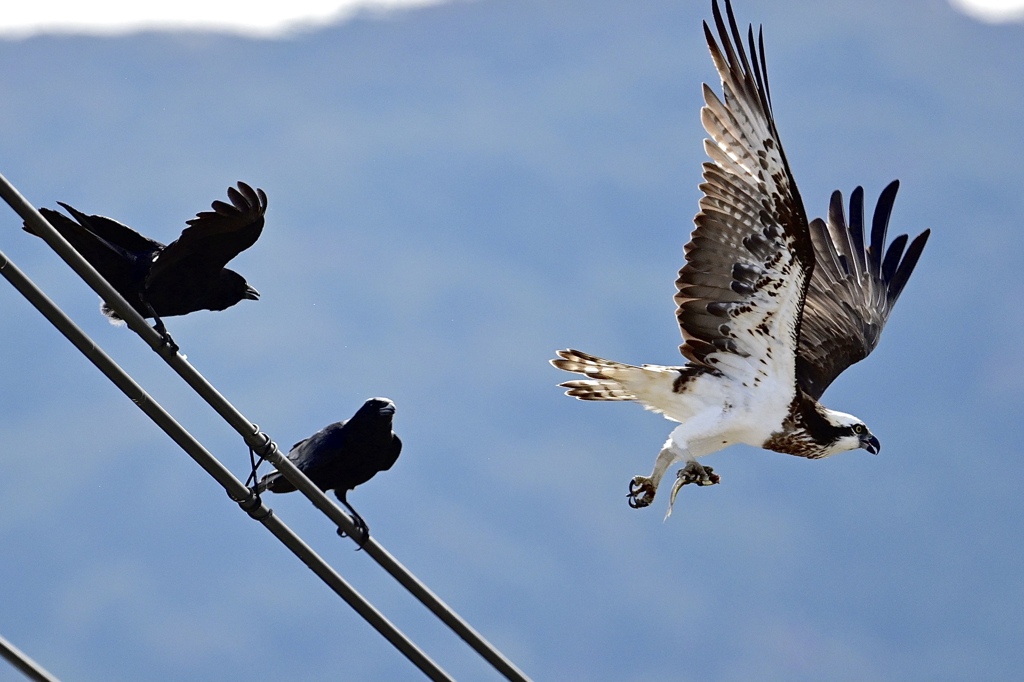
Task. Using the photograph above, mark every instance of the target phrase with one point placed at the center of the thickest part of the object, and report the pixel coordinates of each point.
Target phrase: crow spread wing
(214, 237)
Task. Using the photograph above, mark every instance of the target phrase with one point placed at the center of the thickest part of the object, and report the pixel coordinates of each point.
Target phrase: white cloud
(992, 11)
(111, 17)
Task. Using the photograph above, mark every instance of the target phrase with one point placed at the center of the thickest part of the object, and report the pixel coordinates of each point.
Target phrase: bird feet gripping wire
(159, 327)
(168, 341)
(361, 527)
(362, 532)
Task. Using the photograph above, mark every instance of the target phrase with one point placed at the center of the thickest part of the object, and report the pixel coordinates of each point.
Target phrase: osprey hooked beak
(251, 294)
(870, 443)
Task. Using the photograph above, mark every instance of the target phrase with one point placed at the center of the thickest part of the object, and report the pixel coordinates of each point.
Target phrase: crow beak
(385, 407)
(870, 443)
(251, 294)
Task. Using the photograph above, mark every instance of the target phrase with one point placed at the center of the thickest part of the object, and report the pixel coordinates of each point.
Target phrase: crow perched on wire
(345, 454)
(186, 275)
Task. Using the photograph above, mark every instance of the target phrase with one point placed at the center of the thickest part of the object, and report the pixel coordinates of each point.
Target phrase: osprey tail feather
(608, 380)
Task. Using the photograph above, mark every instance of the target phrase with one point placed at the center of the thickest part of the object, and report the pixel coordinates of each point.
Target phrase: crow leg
(364, 530)
(158, 325)
(162, 331)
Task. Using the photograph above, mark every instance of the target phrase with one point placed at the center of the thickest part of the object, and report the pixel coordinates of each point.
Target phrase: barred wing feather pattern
(750, 257)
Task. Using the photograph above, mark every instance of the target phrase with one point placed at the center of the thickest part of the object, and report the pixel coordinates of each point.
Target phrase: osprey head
(850, 433)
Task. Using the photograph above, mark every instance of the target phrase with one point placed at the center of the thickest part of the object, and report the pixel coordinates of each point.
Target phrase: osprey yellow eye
(858, 429)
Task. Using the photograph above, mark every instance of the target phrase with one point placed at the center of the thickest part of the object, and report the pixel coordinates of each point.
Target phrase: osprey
(772, 307)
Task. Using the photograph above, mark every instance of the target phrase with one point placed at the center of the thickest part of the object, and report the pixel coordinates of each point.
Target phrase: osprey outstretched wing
(853, 288)
(771, 308)
(750, 257)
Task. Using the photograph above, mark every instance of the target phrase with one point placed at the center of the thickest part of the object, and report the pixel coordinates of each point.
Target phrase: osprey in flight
(772, 307)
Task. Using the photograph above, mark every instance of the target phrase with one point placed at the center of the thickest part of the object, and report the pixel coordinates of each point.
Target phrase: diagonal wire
(23, 663)
(247, 500)
(254, 438)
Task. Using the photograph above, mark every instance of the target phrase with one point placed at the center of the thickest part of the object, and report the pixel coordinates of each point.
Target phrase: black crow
(186, 275)
(345, 454)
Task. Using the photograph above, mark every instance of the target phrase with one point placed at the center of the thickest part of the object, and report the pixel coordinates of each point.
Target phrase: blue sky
(455, 192)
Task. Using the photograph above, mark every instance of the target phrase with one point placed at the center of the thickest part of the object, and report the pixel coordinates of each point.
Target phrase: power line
(249, 502)
(23, 663)
(253, 437)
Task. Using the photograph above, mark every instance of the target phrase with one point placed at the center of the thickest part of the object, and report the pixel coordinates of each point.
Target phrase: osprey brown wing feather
(750, 257)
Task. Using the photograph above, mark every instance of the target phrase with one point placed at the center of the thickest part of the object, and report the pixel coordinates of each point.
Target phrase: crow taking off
(186, 275)
(345, 454)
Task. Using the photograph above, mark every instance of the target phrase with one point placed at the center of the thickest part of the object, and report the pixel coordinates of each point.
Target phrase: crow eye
(858, 429)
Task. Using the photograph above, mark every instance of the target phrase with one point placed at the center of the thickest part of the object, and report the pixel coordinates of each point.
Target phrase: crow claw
(362, 529)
